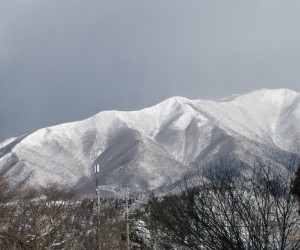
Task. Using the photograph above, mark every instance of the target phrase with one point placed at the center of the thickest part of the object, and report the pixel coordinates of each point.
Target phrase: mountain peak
(274, 96)
(159, 145)
(176, 100)
(277, 93)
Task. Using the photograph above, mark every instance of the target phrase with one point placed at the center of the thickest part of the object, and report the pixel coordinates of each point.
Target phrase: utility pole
(127, 220)
(97, 170)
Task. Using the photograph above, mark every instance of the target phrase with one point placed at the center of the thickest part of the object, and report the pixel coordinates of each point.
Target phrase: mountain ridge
(157, 146)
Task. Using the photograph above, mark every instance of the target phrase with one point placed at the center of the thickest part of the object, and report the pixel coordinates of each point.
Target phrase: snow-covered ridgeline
(159, 145)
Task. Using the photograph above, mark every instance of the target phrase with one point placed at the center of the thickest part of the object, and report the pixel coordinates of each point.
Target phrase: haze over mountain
(157, 146)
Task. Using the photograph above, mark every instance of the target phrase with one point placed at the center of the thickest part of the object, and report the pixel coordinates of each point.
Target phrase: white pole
(97, 170)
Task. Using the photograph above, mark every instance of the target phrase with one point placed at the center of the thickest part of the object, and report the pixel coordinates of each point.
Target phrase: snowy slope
(157, 146)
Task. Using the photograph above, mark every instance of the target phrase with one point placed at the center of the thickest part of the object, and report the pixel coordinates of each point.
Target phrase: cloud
(66, 60)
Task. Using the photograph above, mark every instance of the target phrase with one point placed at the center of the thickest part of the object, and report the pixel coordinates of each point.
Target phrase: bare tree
(42, 219)
(230, 209)
(54, 218)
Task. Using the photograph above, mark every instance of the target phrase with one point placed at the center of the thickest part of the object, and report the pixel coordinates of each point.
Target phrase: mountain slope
(157, 146)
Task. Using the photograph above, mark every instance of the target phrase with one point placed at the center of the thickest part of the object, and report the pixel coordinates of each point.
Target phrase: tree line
(225, 206)
(53, 217)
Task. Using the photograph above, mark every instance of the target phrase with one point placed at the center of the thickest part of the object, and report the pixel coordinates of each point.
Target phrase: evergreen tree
(296, 183)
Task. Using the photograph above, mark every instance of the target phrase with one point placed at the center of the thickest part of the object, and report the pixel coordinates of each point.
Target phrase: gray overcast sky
(65, 60)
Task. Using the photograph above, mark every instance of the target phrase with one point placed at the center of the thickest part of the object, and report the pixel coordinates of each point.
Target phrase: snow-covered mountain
(158, 146)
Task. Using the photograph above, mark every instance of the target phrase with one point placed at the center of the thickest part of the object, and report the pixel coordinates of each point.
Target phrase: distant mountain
(158, 146)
